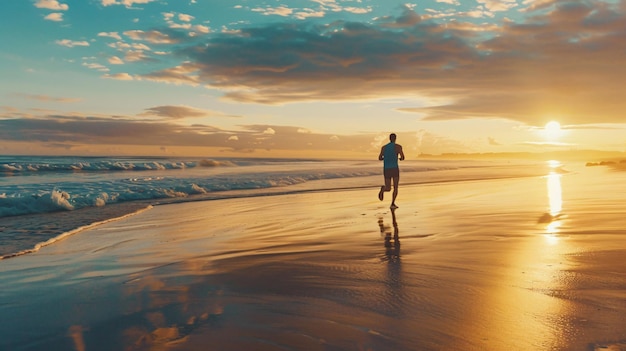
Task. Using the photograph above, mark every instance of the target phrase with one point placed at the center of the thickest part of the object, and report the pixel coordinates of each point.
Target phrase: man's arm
(380, 156)
(400, 152)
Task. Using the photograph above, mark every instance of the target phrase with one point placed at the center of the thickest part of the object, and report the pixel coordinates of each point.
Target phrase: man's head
(392, 137)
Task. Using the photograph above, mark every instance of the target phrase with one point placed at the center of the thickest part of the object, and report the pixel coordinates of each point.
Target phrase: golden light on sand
(552, 130)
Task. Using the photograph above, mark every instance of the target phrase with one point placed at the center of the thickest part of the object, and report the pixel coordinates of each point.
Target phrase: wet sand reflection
(392, 247)
(543, 275)
(555, 201)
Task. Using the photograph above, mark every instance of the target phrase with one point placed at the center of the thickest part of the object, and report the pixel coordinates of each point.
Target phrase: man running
(389, 155)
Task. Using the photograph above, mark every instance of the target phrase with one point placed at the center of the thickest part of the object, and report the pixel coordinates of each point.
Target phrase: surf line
(60, 237)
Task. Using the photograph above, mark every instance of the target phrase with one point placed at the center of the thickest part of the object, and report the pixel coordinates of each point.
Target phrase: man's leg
(384, 188)
(396, 181)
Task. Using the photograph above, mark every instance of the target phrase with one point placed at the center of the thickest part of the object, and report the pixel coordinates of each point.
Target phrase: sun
(552, 130)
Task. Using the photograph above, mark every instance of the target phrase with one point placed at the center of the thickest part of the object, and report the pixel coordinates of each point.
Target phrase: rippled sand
(515, 264)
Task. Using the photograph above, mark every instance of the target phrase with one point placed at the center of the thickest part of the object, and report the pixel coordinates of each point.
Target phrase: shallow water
(42, 199)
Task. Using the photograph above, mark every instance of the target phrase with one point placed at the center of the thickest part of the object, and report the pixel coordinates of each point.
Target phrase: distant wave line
(107, 166)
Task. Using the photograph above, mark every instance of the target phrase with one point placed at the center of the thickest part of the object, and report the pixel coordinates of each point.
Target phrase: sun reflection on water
(555, 194)
(555, 202)
(554, 164)
(531, 296)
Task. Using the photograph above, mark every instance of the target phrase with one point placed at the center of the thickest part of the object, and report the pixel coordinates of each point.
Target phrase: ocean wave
(54, 192)
(26, 167)
(67, 196)
(215, 163)
(14, 204)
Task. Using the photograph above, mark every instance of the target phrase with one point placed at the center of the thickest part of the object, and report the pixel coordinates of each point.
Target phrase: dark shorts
(391, 172)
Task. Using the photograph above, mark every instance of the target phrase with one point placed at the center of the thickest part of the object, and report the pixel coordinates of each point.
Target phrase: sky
(310, 78)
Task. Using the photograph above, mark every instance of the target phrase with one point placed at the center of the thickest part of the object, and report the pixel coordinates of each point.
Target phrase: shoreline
(72, 222)
(71, 232)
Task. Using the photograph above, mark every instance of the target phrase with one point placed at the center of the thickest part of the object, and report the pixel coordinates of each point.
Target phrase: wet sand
(514, 264)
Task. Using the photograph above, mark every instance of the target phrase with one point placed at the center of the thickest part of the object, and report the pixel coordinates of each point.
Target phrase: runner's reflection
(392, 243)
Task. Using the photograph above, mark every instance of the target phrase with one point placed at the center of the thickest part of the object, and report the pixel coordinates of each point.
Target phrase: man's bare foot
(381, 193)
(393, 206)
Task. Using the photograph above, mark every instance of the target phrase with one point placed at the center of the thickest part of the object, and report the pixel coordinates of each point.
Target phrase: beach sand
(514, 264)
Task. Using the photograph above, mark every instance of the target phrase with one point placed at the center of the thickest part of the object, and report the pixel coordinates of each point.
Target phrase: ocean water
(44, 199)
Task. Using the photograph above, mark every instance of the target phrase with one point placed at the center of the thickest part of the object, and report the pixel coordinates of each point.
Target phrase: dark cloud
(342, 60)
(564, 60)
(70, 130)
(66, 129)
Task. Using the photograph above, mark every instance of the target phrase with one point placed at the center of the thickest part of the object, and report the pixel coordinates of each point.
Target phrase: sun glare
(552, 130)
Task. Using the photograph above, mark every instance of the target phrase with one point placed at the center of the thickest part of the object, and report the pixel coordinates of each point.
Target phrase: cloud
(119, 76)
(114, 35)
(46, 98)
(81, 130)
(498, 5)
(201, 28)
(269, 131)
(340, 61)
(592, 127)
(304, 13)
(534, 5)
(358, 10)
(185, 18)
(191, 29)
(133, 52)
(127, 3)
(558, 62)
(69, 129)
(123, 46)
(135, 56)
(179, 112)
(333, 6)
(71, 43)
(183, 74)
(450, 2)
(279, 11)
(114, 60)
(152, 36)
(51, 5)
(309, 13)
(554, 144)
(55, 16)
(95, 66)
